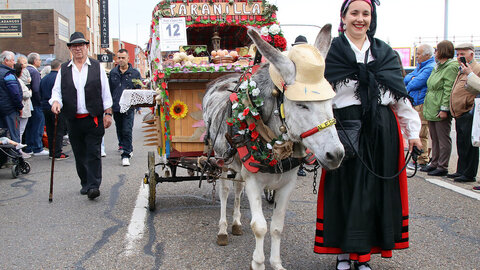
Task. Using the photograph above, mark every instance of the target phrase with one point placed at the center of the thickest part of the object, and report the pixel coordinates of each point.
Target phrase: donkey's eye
(302, 106)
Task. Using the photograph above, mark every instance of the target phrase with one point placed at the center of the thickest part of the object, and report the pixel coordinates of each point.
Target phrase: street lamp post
(445, 29)
(119, 40)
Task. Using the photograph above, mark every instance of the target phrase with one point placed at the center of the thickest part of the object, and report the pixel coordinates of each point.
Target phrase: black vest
(93, 90)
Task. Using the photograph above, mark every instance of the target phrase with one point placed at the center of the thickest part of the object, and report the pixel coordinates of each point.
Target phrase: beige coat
(473, 84)
(27, 103)
(461, 101)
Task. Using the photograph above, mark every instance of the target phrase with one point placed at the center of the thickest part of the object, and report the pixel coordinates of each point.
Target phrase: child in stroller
(9, 149)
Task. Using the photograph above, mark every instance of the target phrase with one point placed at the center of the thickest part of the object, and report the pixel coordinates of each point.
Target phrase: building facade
(83, 15)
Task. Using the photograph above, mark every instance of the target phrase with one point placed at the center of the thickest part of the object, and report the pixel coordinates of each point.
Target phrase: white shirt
(407, 116)
(79, 80)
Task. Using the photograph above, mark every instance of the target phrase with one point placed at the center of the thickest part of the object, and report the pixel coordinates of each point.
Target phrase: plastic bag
(476, 124)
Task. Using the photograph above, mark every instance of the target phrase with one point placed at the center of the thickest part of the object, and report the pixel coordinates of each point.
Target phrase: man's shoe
(438, 172)
(93, 193)
(42, 153)
(84, 191)
(25, 155)
(427, 168)
(62, 156)
(28, 152)
(411, 166)
(103, 154)
(126, 161)
(476, 188)
(454, 175)
(463, 179)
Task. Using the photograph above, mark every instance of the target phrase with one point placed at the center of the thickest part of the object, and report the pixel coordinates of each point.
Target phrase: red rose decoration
(267, 38)
(167, 117)
(161, 75)
(229, 123)
(273, 162)
(243, 17)
(155, 78)
(197, 19)
(213, 18)
(164, 86)
(257, 116)
(254, 135)
(234, 97)
(254, 148)
(229, 19)
(161, 109)
(280, 42)
(243, 125)
(246, 111)
(189, 19)
(252, 126)
(157, 60)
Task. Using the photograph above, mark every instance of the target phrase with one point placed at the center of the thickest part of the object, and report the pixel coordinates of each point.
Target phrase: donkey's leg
(237, 225)
(222, 236)
(282, 197)
(258, 223)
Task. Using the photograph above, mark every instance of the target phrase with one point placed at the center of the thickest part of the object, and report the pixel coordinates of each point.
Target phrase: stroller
(9, 151)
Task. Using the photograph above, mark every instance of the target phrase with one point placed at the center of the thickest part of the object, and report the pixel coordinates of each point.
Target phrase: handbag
(476, 124)
(349, 134)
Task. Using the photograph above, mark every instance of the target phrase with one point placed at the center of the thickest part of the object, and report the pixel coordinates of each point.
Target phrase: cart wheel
(152, 182)
(25, 167)
(269, 195)
(15, 171)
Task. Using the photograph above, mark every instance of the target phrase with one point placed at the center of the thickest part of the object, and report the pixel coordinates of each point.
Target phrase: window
(88, 22)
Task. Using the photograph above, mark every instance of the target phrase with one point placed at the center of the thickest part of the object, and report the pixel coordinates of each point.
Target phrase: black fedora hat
(300, 40)
(77, 38)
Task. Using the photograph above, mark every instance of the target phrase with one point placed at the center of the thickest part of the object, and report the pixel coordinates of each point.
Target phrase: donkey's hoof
(237, 230)
(222, 239)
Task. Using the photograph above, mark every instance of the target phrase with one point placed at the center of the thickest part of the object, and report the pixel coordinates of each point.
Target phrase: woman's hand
(442, 115)
(414, 142)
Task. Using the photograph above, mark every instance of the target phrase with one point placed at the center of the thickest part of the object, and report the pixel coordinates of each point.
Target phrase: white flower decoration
(255, 92)
(244, 85)
(241, 116)
(274, 29)
(254, 113)
(269, 146)
(264, 31)
(253, 84)
(241, 132)
(234, 106)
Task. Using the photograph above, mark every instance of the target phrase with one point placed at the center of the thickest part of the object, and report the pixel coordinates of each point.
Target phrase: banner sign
(10, 25)
(173, 33)
(206, 9)
(104, 35)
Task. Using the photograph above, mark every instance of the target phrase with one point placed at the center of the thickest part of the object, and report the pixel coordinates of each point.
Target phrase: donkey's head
(308, 96)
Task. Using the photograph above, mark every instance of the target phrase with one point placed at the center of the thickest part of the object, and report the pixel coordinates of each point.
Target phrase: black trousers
(467, 163)
(86, 139)
(50, 127)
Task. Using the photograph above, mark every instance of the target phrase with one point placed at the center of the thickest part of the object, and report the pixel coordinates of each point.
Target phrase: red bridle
(316, 129)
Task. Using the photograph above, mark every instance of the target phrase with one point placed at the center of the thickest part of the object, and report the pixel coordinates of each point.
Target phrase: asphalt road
(73, 232)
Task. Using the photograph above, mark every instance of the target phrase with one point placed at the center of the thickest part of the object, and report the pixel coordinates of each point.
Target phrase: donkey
(299, 117)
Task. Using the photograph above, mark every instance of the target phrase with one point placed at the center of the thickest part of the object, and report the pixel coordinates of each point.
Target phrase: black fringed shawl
(382, 74)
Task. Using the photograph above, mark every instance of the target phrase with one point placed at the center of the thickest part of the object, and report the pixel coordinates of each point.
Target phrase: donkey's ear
(282, 63)
(323, 40)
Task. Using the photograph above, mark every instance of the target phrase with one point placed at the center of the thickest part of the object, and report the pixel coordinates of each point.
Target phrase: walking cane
(50, 196)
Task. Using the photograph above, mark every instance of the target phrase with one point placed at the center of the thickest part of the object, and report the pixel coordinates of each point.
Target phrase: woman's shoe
(343, 264)
(362, 266)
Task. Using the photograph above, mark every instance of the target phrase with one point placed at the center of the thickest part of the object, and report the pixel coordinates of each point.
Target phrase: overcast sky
(400, 22)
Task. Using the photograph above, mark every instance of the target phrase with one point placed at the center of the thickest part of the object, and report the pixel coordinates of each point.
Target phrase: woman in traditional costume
(360, 212)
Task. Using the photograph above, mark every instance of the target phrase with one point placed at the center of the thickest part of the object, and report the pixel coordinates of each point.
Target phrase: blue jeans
(124, 126)
(34, 131)
(12, 123)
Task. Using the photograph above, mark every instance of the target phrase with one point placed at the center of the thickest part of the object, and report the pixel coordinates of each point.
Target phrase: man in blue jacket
(34, 129)
(46, 86)
(416, 83)
(120, 79)
(10, 96)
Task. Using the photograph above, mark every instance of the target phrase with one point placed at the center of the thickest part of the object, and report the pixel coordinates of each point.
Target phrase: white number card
(173, 33)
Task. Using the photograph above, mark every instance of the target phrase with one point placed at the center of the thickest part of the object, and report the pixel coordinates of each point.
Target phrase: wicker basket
(223, 60)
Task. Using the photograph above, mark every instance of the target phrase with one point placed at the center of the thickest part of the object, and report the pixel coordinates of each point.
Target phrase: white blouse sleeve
(408, 118)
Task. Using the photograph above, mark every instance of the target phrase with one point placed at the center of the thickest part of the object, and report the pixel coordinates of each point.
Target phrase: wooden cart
(177, 129)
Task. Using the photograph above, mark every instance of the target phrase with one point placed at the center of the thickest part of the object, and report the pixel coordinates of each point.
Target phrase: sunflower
(178, 110)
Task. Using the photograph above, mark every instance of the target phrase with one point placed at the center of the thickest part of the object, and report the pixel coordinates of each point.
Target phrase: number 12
(176, 29)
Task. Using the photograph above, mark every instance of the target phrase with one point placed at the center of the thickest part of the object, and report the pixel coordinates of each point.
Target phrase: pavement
(116, 230)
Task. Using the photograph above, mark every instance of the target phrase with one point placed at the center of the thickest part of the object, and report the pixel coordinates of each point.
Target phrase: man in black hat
(300, 40)
(81, 90)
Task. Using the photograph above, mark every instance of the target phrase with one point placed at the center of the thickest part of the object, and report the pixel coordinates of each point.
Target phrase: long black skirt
(357, 212)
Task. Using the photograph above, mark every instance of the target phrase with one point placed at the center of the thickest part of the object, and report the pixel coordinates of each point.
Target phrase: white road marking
(137, 222)
(468, 193)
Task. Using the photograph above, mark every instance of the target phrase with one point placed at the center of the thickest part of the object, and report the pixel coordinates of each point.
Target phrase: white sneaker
(42, 153)
(125, 161)
(25, 155)
(103, 154)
